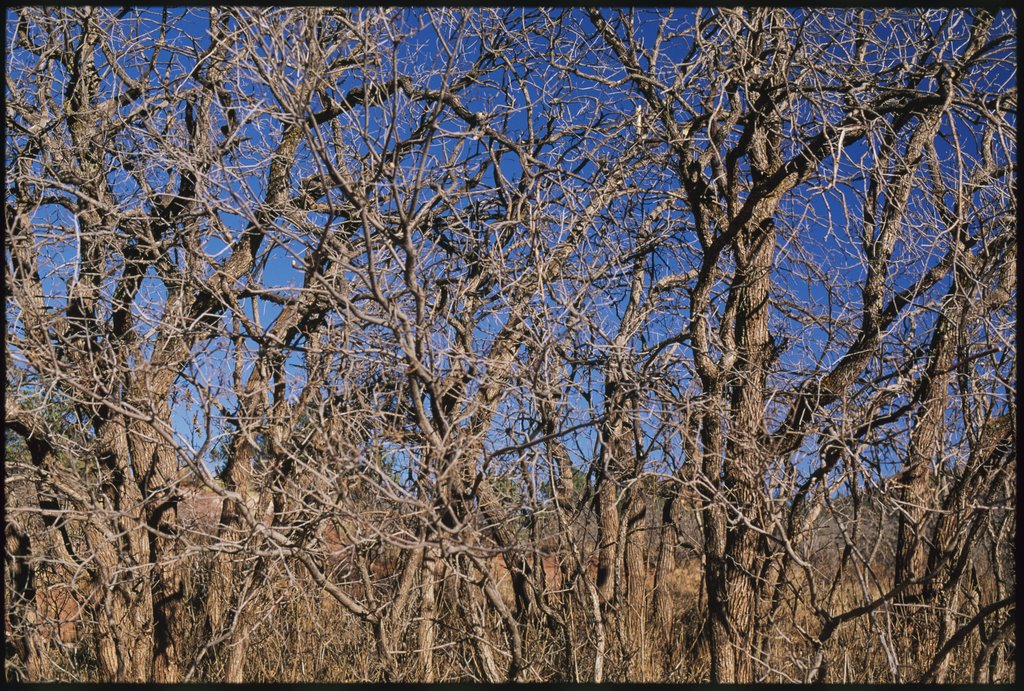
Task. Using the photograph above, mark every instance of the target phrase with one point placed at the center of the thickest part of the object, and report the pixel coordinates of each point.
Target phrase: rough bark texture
(505, 344)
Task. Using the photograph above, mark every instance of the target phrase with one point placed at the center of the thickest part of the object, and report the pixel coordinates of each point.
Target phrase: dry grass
(300, 634)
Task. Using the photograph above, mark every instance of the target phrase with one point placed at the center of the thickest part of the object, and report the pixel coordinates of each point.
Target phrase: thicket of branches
(510, 344)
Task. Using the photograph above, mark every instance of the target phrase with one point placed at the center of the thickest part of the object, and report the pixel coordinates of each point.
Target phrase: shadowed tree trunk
(387, 345)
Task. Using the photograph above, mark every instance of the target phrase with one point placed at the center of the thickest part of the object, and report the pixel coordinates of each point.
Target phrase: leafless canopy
(510, 344)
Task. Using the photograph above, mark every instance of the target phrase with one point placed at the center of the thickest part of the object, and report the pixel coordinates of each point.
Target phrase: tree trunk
(662, 606)
(124, 611)
(162, 495)
(427, 634)
(634, 603)
(22, 640)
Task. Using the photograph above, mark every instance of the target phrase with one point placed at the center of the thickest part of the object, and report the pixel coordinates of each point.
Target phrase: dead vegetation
(505, 344)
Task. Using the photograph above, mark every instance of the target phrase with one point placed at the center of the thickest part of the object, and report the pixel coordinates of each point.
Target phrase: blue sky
(823, 242)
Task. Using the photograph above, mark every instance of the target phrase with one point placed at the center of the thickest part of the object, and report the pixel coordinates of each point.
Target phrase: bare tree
(503, 344)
